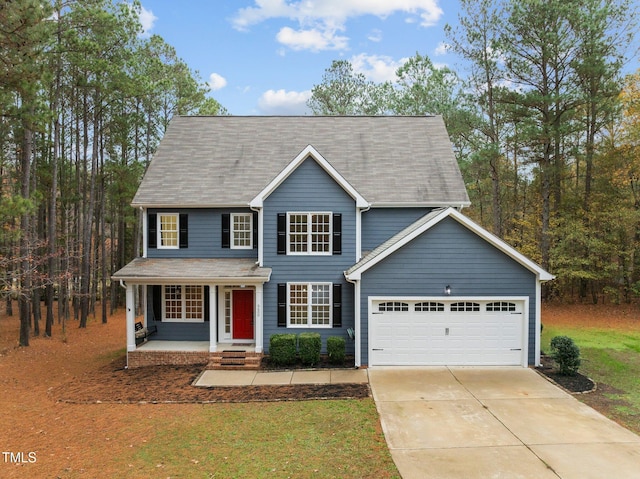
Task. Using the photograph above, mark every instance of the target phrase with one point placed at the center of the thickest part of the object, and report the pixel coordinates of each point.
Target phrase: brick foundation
(220, 360)
(138, 359)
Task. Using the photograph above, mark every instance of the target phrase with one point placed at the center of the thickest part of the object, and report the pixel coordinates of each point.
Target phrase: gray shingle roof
(228, 160)
(192, 270)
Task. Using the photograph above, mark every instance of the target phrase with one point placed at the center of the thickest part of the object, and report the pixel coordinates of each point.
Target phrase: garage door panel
(469, 336)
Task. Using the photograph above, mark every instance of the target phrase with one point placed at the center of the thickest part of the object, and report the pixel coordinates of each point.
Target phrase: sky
(263, 57)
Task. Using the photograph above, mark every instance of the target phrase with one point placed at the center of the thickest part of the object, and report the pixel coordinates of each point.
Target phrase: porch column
(131, 318)
(213, 318)
(258, 322)
(357, 323)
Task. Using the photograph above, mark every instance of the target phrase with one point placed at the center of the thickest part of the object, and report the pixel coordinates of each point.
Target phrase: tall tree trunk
(24, 299)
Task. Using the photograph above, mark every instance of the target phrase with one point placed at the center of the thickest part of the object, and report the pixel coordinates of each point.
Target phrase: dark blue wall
(448, 254)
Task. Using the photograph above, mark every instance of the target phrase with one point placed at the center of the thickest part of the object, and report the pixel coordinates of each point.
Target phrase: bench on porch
(143, 333)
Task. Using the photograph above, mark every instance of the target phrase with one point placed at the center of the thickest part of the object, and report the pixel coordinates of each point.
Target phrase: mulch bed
(173, 384)
(577, 383)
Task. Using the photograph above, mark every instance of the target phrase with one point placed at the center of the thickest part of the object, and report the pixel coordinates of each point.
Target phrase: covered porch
(202, 309)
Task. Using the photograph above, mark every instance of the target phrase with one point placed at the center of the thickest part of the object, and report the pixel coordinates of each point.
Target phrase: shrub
(282, 349)
(336, 349)
(309, 345)
(566, 354)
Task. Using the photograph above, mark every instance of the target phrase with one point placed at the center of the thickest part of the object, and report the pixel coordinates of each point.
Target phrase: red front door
(242, 314)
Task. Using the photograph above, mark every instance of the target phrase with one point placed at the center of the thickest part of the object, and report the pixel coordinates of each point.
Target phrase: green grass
(609, 357)
(286, 439)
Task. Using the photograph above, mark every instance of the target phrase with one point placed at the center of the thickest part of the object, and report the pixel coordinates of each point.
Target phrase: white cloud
(216, 81)
(324, 17)
(282, 102)
(441, 49)
(378, 68)
(375, 35)
(147, 20)
(313, 39)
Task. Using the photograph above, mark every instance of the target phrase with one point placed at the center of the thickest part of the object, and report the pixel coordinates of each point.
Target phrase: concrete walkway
(262, 378)
(478, 423)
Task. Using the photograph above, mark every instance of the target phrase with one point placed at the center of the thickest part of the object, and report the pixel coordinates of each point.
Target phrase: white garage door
(452, 332)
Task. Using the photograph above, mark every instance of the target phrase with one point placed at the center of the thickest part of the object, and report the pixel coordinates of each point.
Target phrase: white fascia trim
(463, 220)
(196, 281)
(309, 151)
(426, 204)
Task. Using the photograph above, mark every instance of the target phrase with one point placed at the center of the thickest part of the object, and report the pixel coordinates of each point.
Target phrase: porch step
(234, 360)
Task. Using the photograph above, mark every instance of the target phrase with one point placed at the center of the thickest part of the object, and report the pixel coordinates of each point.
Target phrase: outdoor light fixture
(447, 290)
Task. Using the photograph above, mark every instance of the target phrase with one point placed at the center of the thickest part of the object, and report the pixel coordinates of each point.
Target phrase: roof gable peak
(308, 152)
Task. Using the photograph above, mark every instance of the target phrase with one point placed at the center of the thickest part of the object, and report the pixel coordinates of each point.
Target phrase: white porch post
(357, 323)
(258, 322)
(131, 318)
(213, 318)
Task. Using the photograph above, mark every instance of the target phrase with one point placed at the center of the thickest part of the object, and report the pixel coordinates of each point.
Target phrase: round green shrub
(336, 349)
(309, 345)
(566, 354)
(282, 349)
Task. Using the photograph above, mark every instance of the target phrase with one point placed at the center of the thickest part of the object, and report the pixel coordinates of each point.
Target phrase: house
(347, 226)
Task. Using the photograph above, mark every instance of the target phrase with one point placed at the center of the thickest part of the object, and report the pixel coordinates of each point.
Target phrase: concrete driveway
(487, 423)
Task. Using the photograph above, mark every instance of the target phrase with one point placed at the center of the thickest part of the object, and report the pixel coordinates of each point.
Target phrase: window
(465, 306)
(393, 306)
(309, 233)
(168, 230)
(429, 306)
(309, 304)
(242, 228)
(501, 306)
(183, 303)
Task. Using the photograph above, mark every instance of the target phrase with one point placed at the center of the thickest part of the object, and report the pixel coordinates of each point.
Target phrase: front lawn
(340, 438)
(611, 357)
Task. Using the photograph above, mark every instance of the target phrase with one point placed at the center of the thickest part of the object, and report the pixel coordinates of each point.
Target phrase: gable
(316, 168)
(428, 222)
(229, 160)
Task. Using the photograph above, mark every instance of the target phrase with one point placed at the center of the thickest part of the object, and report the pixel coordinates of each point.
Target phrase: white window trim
(183, 300)
(309, 324)
(159, 232)
(233, 231)
(309, 234)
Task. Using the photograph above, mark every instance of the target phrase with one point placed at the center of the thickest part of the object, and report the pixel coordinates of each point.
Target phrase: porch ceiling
(192, 270)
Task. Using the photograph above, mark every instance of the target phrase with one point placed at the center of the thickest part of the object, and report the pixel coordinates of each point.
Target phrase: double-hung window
(309, 305)
(242, 230)
(309, 233)
(183, 303)
(168, 231)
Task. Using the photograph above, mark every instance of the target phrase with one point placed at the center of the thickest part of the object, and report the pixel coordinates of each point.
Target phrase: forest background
(545, 127)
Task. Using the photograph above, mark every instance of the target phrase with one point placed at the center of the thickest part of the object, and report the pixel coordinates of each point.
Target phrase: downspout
(359, 231)
(356, 323)
(260, 236)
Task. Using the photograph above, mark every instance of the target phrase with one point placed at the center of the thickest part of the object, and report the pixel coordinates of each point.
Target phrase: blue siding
(309, 188)
(205, 236)
(175, 331)
(380, 224)
(448, 254)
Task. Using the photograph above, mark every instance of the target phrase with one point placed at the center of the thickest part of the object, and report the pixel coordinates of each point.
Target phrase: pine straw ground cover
(69, 410)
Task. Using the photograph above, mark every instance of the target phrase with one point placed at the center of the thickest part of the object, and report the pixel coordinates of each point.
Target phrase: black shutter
(255, 230)
(207, 306)
(152, 230)
(282, 305)
(337, 233)
(156, 302)
(337, 305)
(282, 233)
(226, 230)
(184, 231)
